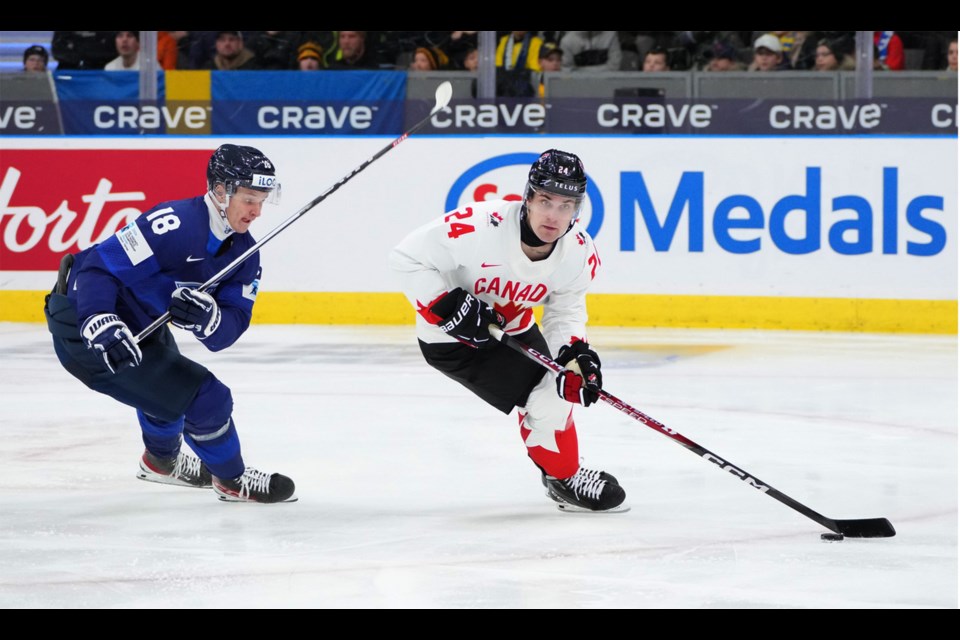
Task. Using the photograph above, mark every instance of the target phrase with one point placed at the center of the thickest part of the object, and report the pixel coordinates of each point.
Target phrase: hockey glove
(107, 334)
(582, 380)
(466, 318)
(194, 311)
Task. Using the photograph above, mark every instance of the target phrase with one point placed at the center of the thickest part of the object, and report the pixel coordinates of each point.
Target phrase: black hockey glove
(195, 311)
(466, 318)
(581, 382)
(110, 337)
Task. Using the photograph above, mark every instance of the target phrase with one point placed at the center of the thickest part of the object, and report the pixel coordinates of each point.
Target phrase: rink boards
(846, 233)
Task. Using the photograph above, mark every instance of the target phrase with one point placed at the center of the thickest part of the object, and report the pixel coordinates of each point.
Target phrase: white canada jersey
(477, 247)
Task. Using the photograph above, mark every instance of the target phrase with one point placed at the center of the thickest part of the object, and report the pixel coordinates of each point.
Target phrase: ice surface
(413, 493)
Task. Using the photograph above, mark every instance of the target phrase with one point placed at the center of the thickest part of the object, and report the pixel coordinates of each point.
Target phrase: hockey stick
(443, 95)
(866, 528)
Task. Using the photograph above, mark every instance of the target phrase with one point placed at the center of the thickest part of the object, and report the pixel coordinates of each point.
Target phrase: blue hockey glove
(109, 336)
(195, 311)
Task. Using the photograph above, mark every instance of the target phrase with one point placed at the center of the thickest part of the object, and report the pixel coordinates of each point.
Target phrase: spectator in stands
(471, 59)
(655, 60)
(276, 50)
(643, 41)
(889, 50)
(83, 49)
(799, 48)
(35, 58)
(831, 57)
(128, 48)
(353, 52)
(518, 54)
(723, 57)
(459, 45)
(952, 55)
(551, 61)
(591, 50)
(309, 57)
(326, 42)
(519, 49)
(168, 49)
(231, 54)
(767, 54)
(429, 59)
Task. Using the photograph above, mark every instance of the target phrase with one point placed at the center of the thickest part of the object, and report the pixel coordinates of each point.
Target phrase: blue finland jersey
(175, 244)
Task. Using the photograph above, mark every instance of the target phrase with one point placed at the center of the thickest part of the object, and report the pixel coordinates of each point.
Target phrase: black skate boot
(183, 470)
(586, 490)
(255, 486)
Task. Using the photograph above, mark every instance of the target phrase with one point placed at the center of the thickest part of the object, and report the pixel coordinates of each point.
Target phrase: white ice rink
(413, 493)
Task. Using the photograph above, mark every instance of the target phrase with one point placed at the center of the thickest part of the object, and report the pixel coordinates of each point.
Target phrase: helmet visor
(258, 182)
(562, 203)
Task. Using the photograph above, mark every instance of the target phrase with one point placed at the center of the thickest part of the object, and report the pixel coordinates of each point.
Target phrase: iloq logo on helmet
(260, 181)
(483, 190)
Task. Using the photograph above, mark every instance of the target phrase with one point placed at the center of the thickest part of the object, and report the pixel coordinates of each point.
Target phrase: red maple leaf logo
(512, 311)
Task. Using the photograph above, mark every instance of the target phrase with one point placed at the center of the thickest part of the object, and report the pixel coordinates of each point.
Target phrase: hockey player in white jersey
(491, 262)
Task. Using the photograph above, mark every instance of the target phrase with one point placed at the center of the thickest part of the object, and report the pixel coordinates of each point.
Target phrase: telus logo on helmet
(473, 185)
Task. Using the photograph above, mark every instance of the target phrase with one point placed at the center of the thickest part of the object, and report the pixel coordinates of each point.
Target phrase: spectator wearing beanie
(309, 57)
(428, 59)
(35, 58)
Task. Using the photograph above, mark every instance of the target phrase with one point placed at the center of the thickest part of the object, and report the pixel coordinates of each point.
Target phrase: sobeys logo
(500, 178)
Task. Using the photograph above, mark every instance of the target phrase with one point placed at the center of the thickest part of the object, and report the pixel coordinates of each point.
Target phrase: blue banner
(305, 103)
(100, 102)
(105, 86)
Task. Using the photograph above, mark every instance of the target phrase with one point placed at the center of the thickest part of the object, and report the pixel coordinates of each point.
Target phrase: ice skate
(183, 470)
(586, 490)
(255, 486)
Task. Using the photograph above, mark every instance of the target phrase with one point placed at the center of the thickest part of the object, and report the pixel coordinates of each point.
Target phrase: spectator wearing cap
(128, 46)
(655, 60)
(428, 59)
(309, 57)
(723, 57)
(35, 59)
(551, 61)
(831, 57)
(768, 54)
(231, 54)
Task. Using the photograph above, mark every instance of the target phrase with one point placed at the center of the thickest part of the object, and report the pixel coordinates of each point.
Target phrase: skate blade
(570, 508)
(227, 498)
(167, 480)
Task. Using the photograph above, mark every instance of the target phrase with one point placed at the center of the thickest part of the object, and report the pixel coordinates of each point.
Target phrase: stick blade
(444, 93)
(868, 528)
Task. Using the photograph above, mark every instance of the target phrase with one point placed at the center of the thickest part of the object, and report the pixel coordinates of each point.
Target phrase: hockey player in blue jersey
(106, 294)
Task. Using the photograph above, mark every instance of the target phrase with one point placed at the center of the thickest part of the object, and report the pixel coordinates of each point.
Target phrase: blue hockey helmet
(236, 166)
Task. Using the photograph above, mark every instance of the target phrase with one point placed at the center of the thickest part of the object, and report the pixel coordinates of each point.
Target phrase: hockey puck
(831, 537)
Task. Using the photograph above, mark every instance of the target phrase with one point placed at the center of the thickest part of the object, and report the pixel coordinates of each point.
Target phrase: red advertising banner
(55, 201)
